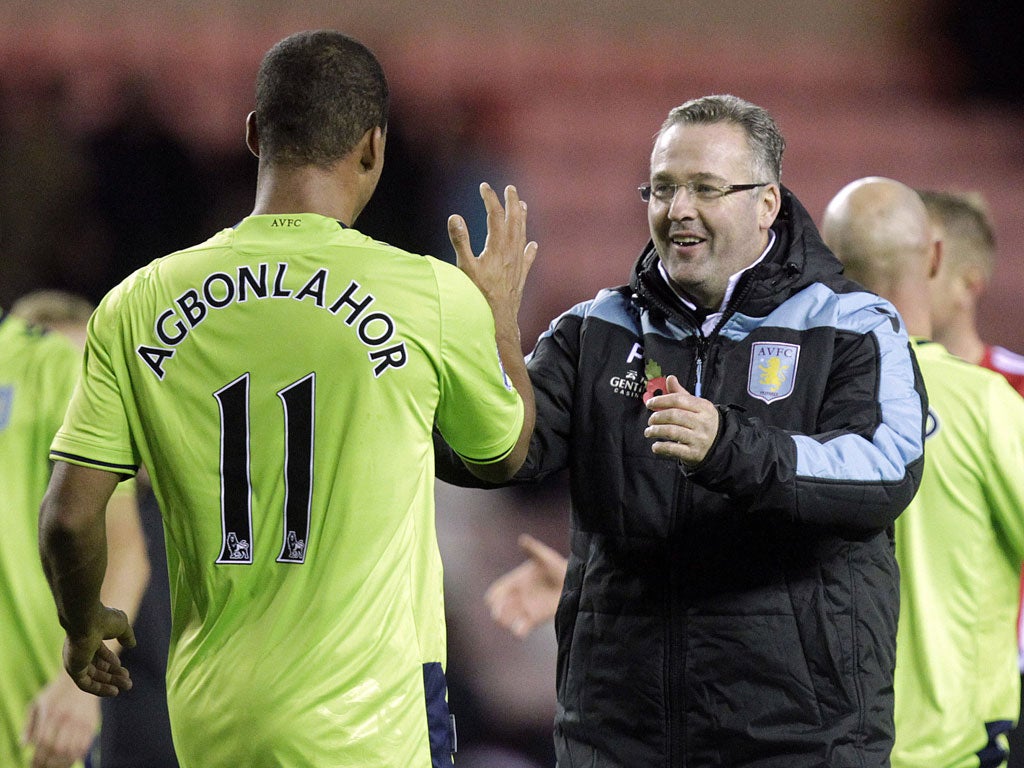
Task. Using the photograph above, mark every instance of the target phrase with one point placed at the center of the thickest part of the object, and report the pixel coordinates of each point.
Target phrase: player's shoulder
(941, 367)
(933, 355)
(449, 277)
(174, 269)
(34, 351)
(20, 337)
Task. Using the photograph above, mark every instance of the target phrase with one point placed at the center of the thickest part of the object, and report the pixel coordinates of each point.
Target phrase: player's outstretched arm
(73, 547)
(500, 273)
(527, 596)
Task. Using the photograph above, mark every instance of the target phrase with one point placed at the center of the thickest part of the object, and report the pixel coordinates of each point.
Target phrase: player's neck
(912, 309)
(962, 340)
(918, 324)
(305, 190)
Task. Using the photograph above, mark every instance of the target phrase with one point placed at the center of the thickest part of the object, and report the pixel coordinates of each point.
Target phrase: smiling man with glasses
(741, 427)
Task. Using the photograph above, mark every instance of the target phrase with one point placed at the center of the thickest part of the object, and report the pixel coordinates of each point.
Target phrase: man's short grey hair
(763, 135)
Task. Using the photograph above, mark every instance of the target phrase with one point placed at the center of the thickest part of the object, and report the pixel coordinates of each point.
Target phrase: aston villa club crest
(772, 371)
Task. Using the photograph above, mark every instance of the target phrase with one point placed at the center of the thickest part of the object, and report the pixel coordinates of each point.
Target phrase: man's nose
(681, 206)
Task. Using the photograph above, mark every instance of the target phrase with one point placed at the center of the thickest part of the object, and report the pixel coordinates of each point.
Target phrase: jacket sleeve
(862, 465)
(553, 367)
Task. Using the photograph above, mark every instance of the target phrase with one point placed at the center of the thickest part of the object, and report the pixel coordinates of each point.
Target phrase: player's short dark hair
(317, 94)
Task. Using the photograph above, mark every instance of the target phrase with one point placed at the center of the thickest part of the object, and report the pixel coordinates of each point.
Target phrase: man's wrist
(82, 626)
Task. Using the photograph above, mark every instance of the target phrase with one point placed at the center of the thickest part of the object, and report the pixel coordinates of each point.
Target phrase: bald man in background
(961, 541)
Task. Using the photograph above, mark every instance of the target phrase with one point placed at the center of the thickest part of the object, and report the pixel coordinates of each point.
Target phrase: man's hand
(528, 595)
(61, 724)
(500, 273)
(501, 268)
(93, 666)
(684, 426)
(73, 548)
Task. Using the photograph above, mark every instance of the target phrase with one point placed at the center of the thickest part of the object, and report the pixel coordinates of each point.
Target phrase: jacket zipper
(676, 665)
(704, 342)
(702, 350)
(676, 657)
(677, 612)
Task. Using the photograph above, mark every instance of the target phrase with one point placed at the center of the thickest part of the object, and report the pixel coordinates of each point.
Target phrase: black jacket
(742, 614)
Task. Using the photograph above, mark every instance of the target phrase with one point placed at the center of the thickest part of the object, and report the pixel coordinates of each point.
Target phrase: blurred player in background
(965, 229)
(134, 729)
(39, 705)
(960, 544)
(968, 243)
(44, 721)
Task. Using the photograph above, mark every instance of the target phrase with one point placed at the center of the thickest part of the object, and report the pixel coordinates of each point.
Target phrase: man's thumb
(672, 385)
(541, 552)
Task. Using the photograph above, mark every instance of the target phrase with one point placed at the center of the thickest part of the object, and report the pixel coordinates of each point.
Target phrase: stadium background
(560, 98)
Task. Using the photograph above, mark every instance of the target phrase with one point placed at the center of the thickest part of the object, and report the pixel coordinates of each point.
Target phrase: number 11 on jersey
(297, 401)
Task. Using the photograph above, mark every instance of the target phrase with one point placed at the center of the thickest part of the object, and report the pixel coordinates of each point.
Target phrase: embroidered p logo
(772, 371)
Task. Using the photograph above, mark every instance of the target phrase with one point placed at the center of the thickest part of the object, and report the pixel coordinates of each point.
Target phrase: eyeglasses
(666, 192)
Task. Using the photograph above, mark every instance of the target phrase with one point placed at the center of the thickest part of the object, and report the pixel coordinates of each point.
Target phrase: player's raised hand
(500, 273)
(501, 268)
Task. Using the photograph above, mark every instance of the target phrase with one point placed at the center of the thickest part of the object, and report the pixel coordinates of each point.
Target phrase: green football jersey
(960, 544)
(281, 382)
(37, 374)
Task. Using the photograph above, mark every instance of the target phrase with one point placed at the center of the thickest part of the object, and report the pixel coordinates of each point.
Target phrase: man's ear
(371, 156)
(934, 258)
(771, 204)
(252, 136)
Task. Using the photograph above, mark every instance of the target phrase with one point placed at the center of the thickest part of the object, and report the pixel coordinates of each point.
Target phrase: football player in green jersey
(281, 382)
(43, 720)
